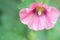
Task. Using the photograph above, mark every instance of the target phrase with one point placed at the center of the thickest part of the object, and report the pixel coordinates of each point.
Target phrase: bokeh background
(12, 29)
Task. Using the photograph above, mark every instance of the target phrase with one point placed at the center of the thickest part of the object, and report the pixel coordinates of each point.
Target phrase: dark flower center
(39, 10)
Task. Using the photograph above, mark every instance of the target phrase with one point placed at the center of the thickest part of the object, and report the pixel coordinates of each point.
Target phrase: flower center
(39, 10)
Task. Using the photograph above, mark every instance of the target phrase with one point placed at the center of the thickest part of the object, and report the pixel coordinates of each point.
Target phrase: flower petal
(25, 16)
(23, 12)
(49, 25)
(33, 24)
(53, 14)
(51, 17)
(42, 22)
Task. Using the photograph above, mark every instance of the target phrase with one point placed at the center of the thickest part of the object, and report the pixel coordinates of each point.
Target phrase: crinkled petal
(49, 24)
(33, 24)
(42, 22)
(23, 12)
(53, 14)
(25, 16)
(37, 22)
(51, 17)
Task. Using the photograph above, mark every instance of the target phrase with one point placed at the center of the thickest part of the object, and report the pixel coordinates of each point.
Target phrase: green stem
(44, 1)
(32, 35)
(36, 0)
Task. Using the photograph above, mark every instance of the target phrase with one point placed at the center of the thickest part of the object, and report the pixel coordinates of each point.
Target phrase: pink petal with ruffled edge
(51, 17)
(25, 16)
(33, 24)
(42, 22)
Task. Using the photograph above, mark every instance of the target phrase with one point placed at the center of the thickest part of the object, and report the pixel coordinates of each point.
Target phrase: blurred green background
(12, 29)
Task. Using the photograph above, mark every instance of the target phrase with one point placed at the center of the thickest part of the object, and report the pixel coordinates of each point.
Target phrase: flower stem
(44, 1)
(36, 0)
(31, 35)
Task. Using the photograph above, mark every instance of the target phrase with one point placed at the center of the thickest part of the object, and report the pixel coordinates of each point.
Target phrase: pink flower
(39, 16)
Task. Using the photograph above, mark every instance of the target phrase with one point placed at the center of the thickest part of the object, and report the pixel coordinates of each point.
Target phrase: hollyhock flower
(39, 16)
